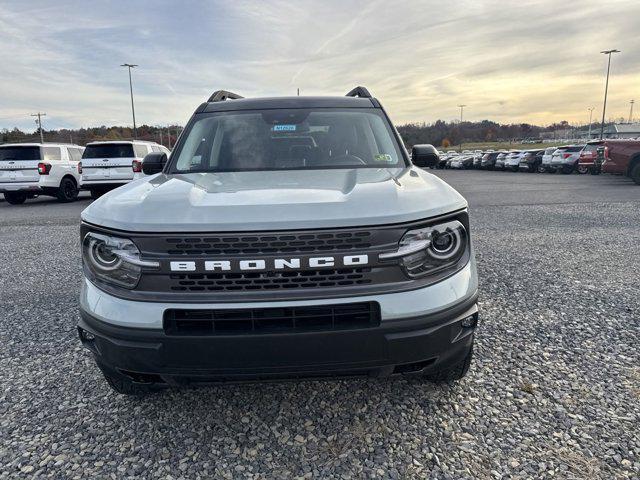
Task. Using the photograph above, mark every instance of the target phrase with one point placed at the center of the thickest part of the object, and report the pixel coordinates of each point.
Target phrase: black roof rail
(222, 95)
(361, 92)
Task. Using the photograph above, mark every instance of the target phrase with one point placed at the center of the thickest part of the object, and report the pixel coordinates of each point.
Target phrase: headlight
(431, 249)
(113, 260)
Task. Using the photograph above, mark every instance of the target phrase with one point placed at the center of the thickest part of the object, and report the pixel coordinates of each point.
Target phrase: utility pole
(631, 111)
(39, 122)
(169, 136)
(133, 110)
(298, 92)
(590, 115)
(461, 111)
(606, 88)
(161, 142)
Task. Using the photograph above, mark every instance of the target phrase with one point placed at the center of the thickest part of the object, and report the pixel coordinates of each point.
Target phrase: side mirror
(154, 163)
(424, 156)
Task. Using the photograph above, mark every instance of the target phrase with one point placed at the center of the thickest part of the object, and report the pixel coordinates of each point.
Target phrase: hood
(273, 200)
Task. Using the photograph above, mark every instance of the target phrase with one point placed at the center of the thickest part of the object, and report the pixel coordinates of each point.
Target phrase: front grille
(220, 282)
(271, 320)
(304, 242)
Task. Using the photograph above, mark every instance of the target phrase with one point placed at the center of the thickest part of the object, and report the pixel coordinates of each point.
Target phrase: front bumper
(419, 330)
(412, 345)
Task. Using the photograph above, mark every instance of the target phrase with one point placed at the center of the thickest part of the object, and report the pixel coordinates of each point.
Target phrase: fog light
(470, 321)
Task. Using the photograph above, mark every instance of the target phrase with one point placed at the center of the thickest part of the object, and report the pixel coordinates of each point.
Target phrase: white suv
(31, 169)
(107, 165)
(285, 237)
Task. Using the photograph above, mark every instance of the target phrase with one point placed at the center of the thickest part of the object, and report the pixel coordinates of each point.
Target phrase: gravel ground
(554, 390)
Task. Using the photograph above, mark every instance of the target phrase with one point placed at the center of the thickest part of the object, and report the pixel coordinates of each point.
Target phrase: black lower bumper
(415, 345)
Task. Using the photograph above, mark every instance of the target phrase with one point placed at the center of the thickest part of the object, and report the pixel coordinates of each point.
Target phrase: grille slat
(271, 320)
(270, 244)
(270, 280)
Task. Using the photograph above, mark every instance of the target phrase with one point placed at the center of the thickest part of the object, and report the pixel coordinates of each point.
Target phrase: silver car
(565, 159)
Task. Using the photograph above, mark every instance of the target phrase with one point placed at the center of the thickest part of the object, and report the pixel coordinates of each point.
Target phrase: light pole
(461, 111)
(590, 115)
(133, 110)
(631, 111)
(606, 88)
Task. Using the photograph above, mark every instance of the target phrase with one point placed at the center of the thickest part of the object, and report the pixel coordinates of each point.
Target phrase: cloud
(534, 61)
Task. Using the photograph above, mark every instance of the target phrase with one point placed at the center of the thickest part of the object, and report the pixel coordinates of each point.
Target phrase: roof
(101, 142)
(633, 128)
(38, 144)
(268, 103)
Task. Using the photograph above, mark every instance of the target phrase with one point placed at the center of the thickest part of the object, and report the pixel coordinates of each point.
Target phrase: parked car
(588, 156)
(477, 158)
(565, 159)
(31, 169)
(499, 163)
(512, 160)
(450, 159)
(531, 161)
(620, 157)
(547, 156)
(462, 162)
(489, 160)
(237, 259)
(108, 165)
(443, 161)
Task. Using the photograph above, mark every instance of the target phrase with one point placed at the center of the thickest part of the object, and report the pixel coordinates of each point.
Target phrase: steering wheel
(347, 159)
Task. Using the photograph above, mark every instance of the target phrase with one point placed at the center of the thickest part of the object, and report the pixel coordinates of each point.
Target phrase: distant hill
(165, 135)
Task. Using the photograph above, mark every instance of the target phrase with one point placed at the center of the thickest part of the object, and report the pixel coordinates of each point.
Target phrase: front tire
(96, 193)
(541, 169)
(455, 372)
(68, 190)
(582, 169)
(635, 174)
(15, 198)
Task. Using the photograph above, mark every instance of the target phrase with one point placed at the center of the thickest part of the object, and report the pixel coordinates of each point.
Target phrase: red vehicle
(588, 156)
(620, 157)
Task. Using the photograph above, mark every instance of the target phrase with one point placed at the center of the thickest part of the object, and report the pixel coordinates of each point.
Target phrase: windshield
(288, 139)
(109, 150)
(19, 153)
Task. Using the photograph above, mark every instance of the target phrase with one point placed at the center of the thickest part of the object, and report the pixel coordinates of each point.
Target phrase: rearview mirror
(154, 163)
(424, 156)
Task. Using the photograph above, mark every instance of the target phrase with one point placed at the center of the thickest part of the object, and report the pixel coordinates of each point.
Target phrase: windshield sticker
(383, 158)
(284, 128)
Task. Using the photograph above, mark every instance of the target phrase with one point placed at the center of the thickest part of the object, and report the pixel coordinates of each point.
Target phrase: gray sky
(525, 61)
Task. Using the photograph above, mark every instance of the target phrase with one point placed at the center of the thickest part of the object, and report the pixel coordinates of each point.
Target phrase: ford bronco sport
(285, 237)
